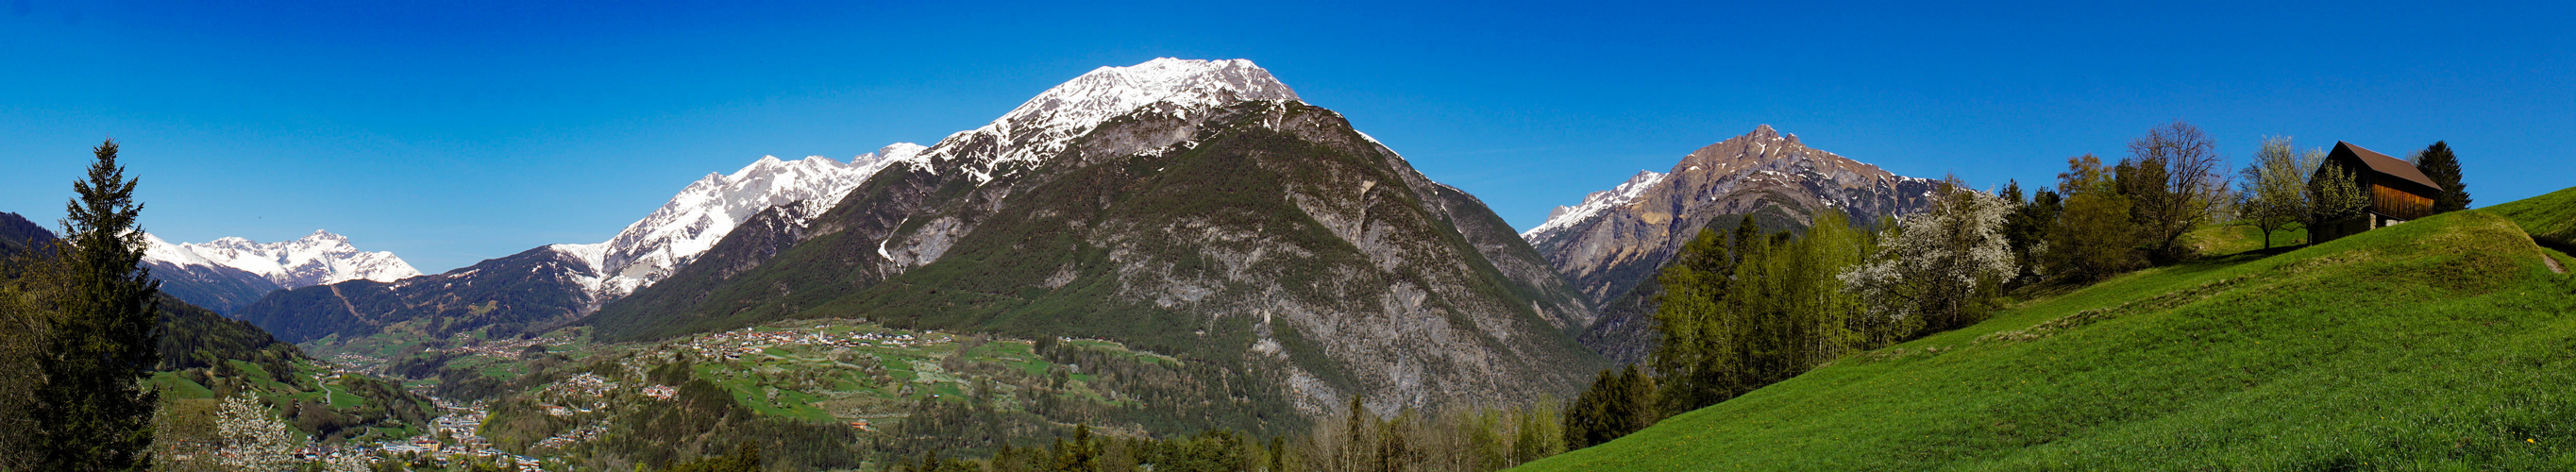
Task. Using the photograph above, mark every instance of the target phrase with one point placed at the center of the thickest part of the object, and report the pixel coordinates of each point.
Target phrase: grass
(2240, 238)
(175, 387)
(2436, 344)
(2550, 218)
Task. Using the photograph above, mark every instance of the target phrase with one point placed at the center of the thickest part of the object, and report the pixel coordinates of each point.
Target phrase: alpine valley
(1156, 250)
(1181, 265)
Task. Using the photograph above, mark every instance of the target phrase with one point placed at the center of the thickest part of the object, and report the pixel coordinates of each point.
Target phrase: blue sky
(450, 132)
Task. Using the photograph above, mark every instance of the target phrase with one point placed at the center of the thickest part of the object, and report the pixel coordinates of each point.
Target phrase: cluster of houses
(576, 435)
(502, 348)
(660, 392)
(737, 343)
(349, 363)
(584, 385)
(459, 425)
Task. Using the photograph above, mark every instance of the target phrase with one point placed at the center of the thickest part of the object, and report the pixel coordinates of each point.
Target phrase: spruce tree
(2437, 162)
(95, 414)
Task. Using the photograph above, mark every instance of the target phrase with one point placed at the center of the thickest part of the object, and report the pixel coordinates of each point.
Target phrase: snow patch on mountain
(1566, 216)
(703, 213)
(316, 259)
(1044, 125)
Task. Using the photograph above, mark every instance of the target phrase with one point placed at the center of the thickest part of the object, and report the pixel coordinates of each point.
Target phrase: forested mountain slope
(1612, 244)
(1222, 222)
(528, 292)
(2439, 343)
(204, 355)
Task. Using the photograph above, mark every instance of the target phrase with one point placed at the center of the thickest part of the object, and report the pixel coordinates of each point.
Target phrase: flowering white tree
(1938, 269)
(254, 439)
(2276, 187)
(348, 462)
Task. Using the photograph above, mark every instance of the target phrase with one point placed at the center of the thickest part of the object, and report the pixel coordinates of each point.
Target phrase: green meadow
(2438, 344)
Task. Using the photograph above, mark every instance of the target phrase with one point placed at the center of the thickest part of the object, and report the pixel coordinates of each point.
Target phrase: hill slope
(2440, 341)
(2550, 218)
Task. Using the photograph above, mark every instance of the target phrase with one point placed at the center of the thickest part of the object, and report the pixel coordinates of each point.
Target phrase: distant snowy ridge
(1044, 125)
(1566, 216)
(316, 259)
(704, 212)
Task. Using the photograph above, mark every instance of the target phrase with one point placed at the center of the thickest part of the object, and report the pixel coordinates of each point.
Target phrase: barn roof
(2383, 164)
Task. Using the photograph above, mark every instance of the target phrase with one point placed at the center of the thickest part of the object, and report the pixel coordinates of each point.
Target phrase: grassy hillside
(2550, 218)
(2441, 343)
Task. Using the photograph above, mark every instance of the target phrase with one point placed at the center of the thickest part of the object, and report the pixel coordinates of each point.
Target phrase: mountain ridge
(552, 285)
(711, 207)
(1612, 244)
(1209, 233)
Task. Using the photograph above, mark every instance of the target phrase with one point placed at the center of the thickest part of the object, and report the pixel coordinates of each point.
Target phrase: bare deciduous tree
(2175, 178)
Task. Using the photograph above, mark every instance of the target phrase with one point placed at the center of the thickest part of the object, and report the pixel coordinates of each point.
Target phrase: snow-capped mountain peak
(1626, 192)
(1045, 124)
(708, 209)
(155, 249)
(315, 259)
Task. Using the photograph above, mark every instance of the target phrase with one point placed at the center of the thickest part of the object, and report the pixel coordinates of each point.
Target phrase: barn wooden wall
(2399, 203)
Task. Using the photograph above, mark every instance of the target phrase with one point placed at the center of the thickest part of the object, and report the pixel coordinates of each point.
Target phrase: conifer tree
(2437, 162)
(1278, 455)
(1083, 454)
(95, 414)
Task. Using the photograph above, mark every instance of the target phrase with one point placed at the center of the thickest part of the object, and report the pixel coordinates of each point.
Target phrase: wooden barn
(2398, 192)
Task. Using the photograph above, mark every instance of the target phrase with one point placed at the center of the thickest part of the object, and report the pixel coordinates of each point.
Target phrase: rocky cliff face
(1193, 208)
(1614, 242)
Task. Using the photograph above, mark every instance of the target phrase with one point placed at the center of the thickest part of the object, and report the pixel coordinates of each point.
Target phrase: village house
(2398, 192)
